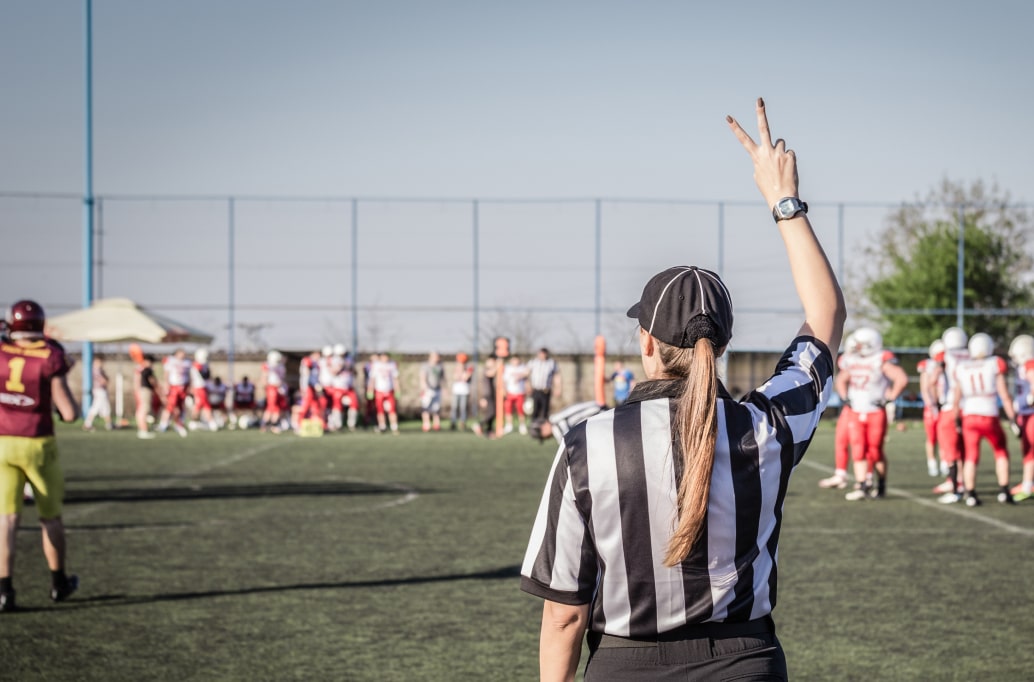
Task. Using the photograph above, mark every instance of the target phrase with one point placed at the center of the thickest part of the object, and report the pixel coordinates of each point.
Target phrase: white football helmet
(201, 355)
(1021, 349)
(936, 348)
(274, 357)
(327, 351)
(981, 346)
(340, 350)
(954, 338)
(851, 344)
(869, 340)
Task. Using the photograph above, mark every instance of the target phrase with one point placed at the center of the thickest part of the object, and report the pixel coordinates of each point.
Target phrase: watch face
(786, 207)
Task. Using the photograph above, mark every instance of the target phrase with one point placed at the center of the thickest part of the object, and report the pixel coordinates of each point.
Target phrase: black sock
(58, 578)
(6, 585)
(1005, 489)
(953, 476)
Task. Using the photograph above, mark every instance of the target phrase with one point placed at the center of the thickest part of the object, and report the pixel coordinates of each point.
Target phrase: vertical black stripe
(635, 524)
(589, 569)
(788, 456)
(696, 579)
(744, 460)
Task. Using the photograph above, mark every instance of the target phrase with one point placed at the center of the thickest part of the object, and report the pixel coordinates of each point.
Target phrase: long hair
(696, 427)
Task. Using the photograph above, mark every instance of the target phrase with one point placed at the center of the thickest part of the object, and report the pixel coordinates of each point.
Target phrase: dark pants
(742, 657)
(540, 402)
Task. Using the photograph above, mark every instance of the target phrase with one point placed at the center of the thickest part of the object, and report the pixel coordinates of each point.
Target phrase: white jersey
(978, 382)
(198, 375)
(342, 373)
(1022, 389)
(383, 376)
(868, 386)
(951, 360)
(177, 370)
(515, 378)
(276, 375)
(326, 371)
(931, 369)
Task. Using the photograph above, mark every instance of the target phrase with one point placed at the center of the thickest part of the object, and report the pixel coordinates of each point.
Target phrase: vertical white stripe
(662, 501)
(660, 298)
(570, 534)
(606, 521)
(771, 469)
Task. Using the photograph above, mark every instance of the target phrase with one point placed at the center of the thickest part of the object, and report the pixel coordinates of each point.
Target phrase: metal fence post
(355, 280)
(231, 343)
(599, 264)
(961, 284)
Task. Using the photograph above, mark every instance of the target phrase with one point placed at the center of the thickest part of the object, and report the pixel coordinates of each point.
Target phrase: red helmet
(26, 316)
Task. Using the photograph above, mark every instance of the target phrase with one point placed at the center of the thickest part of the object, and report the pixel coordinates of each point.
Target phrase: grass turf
(370, 557)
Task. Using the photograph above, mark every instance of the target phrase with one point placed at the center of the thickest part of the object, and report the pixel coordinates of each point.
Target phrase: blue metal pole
(961, 285)
(599, 264)
(231, 255)
(477, 299)
(87, 368)
(355, 280)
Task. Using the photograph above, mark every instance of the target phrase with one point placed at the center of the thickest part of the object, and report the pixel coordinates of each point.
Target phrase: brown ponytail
(696, 427)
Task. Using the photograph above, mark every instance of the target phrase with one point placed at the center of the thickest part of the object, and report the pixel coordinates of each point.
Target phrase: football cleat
(949, 498)
(1006, 498)
(63, 592)
(7, 602)
(945, 487)
(1021, 496)
(972, 500)
(833, 481)
(860, 493)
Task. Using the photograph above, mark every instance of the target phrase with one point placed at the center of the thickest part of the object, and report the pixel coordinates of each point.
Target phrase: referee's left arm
(560, 640)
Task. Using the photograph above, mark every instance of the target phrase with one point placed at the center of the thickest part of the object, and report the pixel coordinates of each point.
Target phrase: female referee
(658, 528)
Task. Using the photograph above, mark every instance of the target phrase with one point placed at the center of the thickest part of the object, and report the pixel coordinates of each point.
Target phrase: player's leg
(996, 437)
(859, 447)
(875, 437)
(841, 451)
(973, 432)
(949, 444)
(12, 482)
(392, 408)
(930, 428)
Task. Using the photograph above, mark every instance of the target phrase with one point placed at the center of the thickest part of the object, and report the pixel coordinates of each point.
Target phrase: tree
(914, 280)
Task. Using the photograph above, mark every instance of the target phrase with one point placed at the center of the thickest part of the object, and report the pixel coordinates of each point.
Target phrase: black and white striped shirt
(541, 373)
(609, 506)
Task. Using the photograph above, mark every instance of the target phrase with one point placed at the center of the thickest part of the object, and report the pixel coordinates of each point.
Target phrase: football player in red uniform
(200, 374)
(930, 372)
(1021, 352)
(978, 384)
(842, 434)
(32, 385)
(177, 377)
(870, 381)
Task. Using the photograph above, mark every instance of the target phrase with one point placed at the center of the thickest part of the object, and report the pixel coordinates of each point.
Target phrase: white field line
(956, 509)
(176, 478)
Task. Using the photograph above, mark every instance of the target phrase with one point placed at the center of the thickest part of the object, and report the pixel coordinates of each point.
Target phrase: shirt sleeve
(798, 391)
(558, 564)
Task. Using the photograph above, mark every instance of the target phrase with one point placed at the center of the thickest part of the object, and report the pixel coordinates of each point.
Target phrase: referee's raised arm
(775, 172)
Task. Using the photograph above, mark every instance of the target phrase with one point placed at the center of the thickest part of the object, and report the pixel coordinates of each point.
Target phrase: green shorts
(34, 460)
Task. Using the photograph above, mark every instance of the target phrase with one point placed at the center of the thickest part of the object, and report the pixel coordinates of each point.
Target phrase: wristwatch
(788, 207)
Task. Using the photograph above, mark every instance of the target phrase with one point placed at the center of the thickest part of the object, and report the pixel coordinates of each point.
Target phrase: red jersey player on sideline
(200, 374)
(274, 374)
(870, 380)
(949, 433)
(32, 384)
(978, 385)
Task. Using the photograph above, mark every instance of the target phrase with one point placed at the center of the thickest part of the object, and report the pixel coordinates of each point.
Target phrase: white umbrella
(117, 320)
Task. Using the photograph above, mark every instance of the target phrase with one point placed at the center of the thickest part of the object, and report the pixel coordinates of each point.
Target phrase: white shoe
(944, 468)
(931, 467)
(945, 487)
(145, 435)
(949, 498)
(857, 494)
(834, 481)
(523, 430)
(508, 429)
(180, 430)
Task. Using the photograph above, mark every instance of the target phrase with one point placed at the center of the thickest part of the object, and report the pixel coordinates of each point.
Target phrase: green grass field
(248, 556)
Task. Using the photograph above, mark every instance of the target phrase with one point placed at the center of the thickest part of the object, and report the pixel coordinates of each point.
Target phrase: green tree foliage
(916, 266)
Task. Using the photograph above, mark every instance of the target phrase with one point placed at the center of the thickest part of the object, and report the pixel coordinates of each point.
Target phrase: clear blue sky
(881, 100)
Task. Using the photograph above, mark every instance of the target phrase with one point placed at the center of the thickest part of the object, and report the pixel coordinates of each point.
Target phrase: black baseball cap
(683, 304)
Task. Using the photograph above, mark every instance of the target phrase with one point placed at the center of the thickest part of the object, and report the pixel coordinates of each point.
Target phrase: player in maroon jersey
(32, 384)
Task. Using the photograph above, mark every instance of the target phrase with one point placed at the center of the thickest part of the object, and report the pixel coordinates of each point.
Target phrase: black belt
(764, 625)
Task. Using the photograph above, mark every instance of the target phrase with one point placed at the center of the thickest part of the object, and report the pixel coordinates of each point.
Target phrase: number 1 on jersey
(14, 382)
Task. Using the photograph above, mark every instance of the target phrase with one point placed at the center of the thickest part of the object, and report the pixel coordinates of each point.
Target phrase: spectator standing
(544, 376)
(101, 403)
(462, 375)
(623, 380)
(432, 376)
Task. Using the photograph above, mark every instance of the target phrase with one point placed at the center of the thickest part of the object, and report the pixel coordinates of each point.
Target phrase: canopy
(115, 320)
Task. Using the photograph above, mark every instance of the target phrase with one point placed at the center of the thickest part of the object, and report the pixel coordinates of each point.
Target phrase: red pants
(949, 440)
(385, 402)
(976, 427)
(1027, 437)
(930, 424)
(312, 402)
(868, 429)
(201, 399)
(842, 438)
(176, 398)
(514, 402)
